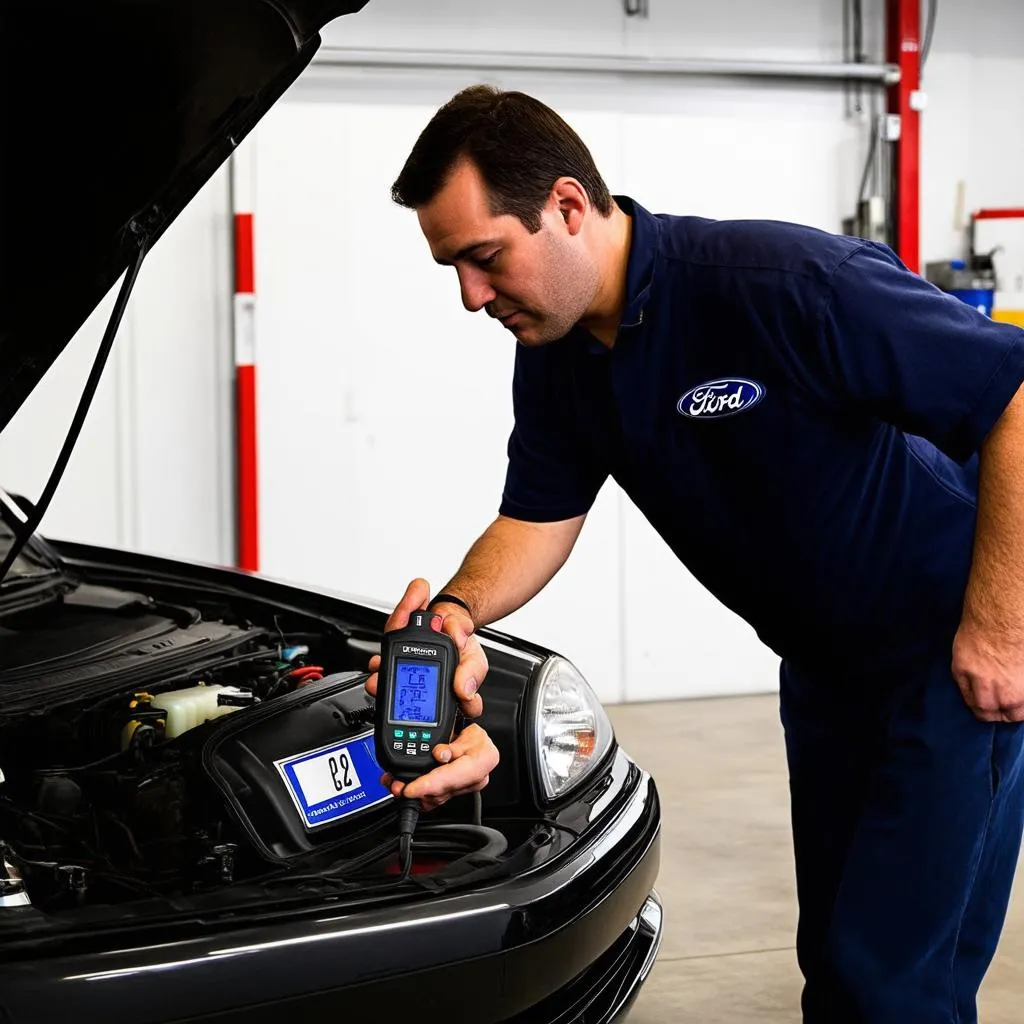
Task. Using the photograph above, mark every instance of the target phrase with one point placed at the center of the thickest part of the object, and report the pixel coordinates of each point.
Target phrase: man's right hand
(453, 620)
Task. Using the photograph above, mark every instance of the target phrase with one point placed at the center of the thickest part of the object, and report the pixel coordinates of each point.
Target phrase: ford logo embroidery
(717, 398)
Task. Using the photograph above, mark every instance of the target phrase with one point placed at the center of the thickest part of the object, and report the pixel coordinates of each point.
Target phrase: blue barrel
(982, 299)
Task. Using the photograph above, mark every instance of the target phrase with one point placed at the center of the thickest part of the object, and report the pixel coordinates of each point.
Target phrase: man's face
(538, 285)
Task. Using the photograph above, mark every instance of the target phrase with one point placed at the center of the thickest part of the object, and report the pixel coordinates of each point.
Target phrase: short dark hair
(520, 146)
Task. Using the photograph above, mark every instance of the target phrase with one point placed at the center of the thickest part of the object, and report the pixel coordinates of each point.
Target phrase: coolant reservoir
(192, 706)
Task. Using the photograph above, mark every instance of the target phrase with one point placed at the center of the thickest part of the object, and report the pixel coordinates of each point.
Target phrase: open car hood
(113, 114)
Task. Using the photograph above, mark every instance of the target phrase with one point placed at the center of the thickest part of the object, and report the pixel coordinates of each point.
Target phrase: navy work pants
(907, 815)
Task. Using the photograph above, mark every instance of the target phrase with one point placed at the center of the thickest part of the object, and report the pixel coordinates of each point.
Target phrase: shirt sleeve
(552, 473)
(893, 344)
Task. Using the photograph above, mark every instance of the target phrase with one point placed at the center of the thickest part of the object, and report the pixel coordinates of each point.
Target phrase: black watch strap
(451, 599)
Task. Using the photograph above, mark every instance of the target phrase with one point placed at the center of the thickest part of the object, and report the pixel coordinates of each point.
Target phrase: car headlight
(571, 731)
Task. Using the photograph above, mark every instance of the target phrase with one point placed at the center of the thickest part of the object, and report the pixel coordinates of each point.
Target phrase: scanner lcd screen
(416, 691)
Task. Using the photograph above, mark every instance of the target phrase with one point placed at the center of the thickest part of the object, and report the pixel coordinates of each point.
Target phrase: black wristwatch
(451, 599)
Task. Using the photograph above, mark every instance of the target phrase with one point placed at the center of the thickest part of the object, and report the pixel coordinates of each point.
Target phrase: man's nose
(476, 290)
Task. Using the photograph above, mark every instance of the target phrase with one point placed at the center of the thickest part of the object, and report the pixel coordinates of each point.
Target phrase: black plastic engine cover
(240, 759)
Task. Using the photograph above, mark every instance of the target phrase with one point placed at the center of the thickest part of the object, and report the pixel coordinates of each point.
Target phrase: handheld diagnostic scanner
(416, 706)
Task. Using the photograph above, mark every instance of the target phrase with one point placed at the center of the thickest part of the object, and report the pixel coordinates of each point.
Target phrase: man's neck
(612, 244)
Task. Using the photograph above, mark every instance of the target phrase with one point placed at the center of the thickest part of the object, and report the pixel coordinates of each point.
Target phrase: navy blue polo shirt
(795, 413)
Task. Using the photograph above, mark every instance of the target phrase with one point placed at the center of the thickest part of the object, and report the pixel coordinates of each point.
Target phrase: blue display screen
(416, 691)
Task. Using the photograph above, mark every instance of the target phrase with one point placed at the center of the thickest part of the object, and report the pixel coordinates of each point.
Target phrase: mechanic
(835, 449)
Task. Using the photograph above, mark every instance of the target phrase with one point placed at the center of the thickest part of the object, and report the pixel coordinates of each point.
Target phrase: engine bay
(108, 700)
(149, 727)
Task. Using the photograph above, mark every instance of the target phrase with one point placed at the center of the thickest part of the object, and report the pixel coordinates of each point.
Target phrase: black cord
(31, 524)
(337, 873)
(408, 815)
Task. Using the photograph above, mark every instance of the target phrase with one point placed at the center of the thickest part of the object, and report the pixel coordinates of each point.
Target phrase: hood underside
(113, 114)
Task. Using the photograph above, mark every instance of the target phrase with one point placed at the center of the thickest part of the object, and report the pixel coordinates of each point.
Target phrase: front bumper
(606, 991)
(533, 945)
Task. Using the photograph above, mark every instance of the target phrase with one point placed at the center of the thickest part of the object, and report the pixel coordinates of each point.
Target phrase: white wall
(795, 29)
(972, 133)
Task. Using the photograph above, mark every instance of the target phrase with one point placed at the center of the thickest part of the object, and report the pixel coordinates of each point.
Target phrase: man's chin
(532, 334)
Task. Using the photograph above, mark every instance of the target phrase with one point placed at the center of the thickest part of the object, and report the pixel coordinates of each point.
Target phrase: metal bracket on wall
(636, 8)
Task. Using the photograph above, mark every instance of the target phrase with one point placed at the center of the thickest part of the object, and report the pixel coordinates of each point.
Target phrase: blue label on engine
(333, 782)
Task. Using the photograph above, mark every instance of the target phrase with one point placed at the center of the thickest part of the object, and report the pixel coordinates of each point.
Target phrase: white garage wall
(796, 29)
(972, 132)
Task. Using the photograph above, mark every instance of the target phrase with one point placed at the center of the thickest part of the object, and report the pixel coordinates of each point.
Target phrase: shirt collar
(643, 248)
(644, 242)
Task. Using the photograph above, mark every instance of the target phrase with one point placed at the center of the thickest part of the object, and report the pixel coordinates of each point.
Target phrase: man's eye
(486, 261)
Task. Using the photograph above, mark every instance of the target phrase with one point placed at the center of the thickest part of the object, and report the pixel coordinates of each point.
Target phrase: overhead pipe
(878, 74)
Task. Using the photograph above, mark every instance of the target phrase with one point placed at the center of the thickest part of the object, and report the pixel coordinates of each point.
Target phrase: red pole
(903, 45)
(245, 393)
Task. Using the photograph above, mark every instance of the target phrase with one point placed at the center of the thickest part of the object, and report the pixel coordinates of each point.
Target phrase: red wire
(307, 672)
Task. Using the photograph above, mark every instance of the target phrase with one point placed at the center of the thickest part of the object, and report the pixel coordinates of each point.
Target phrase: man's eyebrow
(465, 251)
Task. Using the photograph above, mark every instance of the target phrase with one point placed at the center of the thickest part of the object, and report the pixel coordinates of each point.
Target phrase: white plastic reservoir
(191, 707)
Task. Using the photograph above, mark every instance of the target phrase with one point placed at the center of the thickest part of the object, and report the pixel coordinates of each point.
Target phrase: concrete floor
(727, 870)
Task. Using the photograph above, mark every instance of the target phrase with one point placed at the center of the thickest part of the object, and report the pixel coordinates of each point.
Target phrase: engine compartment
(138, 750)
(108, 700)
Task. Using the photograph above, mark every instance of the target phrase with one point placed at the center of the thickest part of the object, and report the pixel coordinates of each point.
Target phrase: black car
(192, 824)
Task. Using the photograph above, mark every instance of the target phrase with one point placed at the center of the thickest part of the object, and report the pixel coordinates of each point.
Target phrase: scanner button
(424, 735)
(398, 745)
(399, 733)
(413, 734)
(424, 746)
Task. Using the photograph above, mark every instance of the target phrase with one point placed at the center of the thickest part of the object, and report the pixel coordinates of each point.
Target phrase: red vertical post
(903, 46)
(245, 368)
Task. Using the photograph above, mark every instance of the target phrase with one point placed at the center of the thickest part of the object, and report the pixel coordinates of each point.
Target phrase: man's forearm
(510, 563)
(995, 593)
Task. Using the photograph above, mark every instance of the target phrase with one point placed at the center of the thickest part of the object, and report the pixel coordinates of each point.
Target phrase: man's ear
(570, 200)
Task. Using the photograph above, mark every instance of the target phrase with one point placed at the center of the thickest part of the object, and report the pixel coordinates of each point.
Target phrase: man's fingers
(457, 777)
(472, 708)
(472, 740)
(472, 667)
(414, 599)
(984, 702)
(472, 759)
(459, 626)
(371, 683)
(471, 670)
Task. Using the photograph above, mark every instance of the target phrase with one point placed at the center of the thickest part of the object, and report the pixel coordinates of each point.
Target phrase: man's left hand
(988, 666)
(466, 766)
